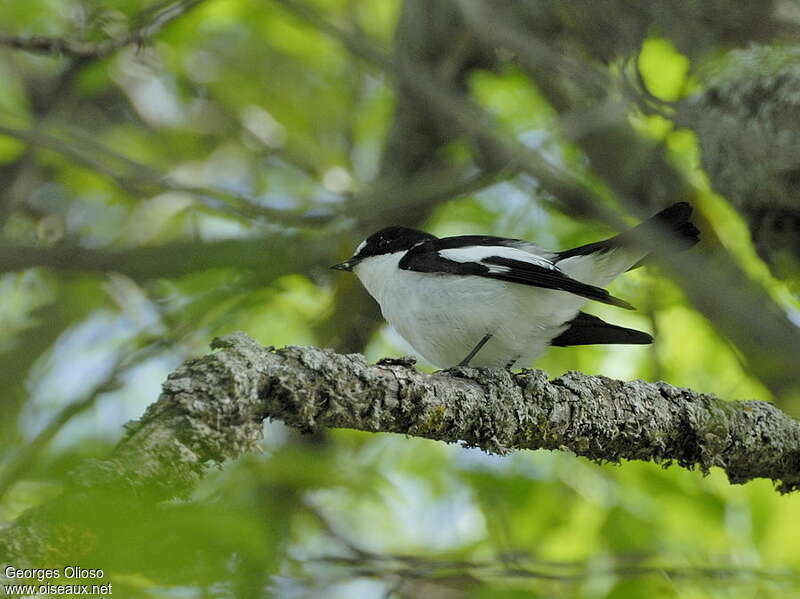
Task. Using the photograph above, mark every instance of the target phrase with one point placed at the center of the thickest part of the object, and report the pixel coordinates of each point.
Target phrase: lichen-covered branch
(498, 411)
(745, 118)
(212, 409)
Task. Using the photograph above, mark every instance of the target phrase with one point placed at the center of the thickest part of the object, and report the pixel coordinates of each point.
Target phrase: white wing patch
(499, 270)
(476, 253)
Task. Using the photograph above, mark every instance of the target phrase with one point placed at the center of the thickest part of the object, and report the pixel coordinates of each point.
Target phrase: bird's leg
(465, 362)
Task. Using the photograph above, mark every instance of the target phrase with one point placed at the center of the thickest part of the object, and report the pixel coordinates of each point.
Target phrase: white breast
(444, 316)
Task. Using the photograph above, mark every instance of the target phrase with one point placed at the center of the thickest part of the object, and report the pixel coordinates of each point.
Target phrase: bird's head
(386, 241)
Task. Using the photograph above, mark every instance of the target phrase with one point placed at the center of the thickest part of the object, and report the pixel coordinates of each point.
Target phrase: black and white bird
(491, 301)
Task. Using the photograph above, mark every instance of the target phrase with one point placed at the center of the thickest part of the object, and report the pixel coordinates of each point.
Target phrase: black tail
(673, 221)
(586, 329)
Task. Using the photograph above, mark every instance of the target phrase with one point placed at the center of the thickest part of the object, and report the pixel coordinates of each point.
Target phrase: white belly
(444, 316)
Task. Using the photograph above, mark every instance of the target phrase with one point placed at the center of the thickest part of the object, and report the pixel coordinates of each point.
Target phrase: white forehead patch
(360, 247)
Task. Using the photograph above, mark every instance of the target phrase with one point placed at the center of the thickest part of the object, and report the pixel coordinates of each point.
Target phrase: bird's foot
(407, 361)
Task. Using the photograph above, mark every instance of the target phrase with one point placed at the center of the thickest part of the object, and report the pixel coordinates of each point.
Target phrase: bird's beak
(346, 265)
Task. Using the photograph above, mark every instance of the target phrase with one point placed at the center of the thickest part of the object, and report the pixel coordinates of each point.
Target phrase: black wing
(586, 329)
(425, 257)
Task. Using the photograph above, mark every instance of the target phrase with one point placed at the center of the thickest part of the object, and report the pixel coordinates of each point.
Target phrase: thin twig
(40, 44)
(145, 179)
(410, 567)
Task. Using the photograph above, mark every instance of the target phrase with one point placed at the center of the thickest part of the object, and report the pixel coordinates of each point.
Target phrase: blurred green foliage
(160, 143)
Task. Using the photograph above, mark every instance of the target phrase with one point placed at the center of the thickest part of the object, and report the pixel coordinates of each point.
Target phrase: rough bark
(212, 409)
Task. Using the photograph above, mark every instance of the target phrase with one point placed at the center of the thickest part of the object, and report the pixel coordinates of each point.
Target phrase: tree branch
(271, 256)
(212, 409)
(593, 416)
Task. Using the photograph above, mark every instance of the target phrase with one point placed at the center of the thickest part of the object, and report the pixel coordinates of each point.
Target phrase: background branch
(271, 256)
(153, 21)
